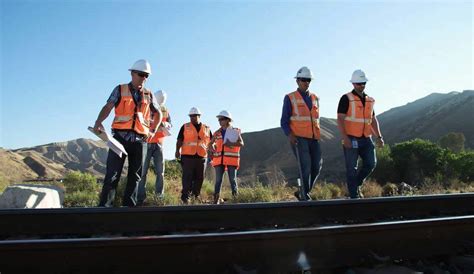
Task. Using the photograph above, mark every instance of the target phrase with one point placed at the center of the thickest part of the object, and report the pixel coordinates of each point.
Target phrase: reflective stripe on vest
(195, 142)
(358, 120)
(130, 117)
(225, 155)
(303, 121)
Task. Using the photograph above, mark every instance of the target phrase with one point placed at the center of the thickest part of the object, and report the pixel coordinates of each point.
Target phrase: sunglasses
(142, 74)
(222, 119)
(194, 115)
(360, 84)
(306, 80)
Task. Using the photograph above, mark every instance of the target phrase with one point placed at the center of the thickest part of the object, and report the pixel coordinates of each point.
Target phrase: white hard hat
(161, 97)
(141, 65)
(304, 72)
(358, 76)
(194, 111)
(225, 114)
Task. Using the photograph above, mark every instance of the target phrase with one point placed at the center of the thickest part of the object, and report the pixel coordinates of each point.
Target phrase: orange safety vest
(358, 121)
(128, 116)
(195, 142)
(225, 155)
(159, 136)
(303, 121)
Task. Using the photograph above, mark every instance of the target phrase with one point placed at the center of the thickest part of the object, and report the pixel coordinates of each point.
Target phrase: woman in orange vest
(225, 148)
(357, 122)
(191, 148)
(155, 151)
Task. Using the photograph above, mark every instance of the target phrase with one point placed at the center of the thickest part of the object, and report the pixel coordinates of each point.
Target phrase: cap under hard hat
(160, 97)
(358, 76)
(225, 114)
(141, 65)
(194, 111)
(304, 72)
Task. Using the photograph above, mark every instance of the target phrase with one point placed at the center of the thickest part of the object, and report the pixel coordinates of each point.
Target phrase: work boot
(216, 199)
(297, 195)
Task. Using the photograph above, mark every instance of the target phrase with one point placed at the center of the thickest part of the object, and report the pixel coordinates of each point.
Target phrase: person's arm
(106, 109)
(103, 114)
(285, 119)
(376, 131)
(341, 115)
(179, 143)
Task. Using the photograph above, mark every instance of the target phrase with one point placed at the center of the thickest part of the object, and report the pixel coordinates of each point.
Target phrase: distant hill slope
(54, 160)
(266, 151)
(431, 117)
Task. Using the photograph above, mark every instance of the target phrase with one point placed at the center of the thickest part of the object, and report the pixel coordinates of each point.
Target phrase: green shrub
(81, 199)
(79, 181)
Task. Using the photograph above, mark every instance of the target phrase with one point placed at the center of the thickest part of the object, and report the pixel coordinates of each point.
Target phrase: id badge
(355, 144)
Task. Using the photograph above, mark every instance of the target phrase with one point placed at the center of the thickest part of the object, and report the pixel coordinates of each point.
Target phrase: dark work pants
(193, 176)
(135, 150)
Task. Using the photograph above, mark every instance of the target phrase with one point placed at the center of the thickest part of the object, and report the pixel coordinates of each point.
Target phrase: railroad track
(266, 251)
(243, 238)
(83, 222)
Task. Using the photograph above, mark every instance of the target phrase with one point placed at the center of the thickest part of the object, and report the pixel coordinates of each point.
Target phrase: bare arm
(377, 133)
(103, 114)
(179, 144)
(342, 130)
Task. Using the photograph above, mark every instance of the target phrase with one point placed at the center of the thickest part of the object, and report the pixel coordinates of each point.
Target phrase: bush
(82, 190)
(81, 199)
(326, 191)
(78, 181)
(371, 189)
(385, 169)
(414, 160)
(389, 190)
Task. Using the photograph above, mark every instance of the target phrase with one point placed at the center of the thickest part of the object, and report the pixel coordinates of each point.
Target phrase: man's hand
(346, 142)
(380, 142)
(98, 127)
(292, 138)
(177, 155)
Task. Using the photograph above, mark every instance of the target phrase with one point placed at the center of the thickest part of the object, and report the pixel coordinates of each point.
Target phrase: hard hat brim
(218, 116)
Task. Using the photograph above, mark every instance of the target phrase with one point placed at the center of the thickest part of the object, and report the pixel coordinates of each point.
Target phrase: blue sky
(61, 59)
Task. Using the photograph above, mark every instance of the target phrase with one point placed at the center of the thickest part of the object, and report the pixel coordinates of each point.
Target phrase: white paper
(231, 135)
(112, 143)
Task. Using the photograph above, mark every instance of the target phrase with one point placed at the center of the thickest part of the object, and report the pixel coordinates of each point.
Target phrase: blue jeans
(231, 172)
(356, 176)
(310, 162)
(154, 151)
(135, 149)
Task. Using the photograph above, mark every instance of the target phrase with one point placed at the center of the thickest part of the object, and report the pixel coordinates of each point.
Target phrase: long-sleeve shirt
(287, 110)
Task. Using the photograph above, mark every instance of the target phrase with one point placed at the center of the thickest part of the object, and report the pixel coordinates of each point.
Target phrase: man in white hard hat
(357, 123)
(191, 147)
(155, 151)
(132, 125)
(225, 148)
(300, 122)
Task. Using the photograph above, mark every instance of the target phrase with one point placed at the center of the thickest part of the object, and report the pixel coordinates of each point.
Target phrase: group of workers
(356, 121)
(142, 122)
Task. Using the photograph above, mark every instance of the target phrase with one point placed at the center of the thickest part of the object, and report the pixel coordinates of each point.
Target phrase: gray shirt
(130, 135)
